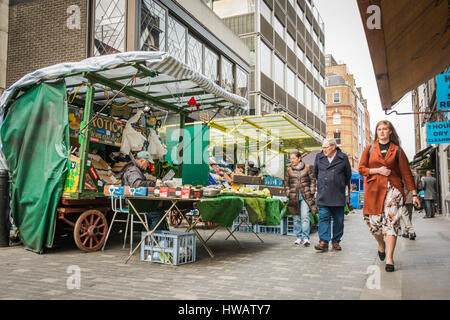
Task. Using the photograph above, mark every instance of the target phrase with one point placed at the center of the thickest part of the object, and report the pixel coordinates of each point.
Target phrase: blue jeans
(153, 219)
(325, 216)
(301, 222)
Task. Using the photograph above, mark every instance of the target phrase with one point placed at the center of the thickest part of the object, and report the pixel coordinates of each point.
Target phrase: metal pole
(181, 143)
(85, 135)
(246, 155)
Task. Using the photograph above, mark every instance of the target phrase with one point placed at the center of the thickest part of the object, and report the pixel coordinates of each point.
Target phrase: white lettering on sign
(374, 21)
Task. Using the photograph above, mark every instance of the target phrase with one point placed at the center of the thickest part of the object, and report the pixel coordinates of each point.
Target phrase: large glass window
(290, 42)
(153, 27)
(109, 27)
(279, 28)
(241, 82)
(177, 40)
(211, 65)
(279, 72)
(300, 91)
(266, 60)
(227, 75)
(308, 98)
(290, 82)
(266, 12)
(195, 54)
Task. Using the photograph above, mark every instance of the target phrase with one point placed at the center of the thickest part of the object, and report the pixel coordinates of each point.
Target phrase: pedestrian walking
(406, 218)
(385, 165)
(300, 186)
(333, 173)
(430, 187)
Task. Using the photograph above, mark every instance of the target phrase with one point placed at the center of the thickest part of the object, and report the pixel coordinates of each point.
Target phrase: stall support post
(181, 143)
(246, 155)
(84, 136)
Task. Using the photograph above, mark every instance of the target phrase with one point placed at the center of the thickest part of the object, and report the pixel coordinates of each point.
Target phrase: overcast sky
(346, 41)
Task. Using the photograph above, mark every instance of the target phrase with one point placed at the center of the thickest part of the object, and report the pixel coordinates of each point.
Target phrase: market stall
(85, 120)
(356, 190)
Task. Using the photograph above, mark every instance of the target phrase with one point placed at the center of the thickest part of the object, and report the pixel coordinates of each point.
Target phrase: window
(279, 72)
(195, 54)
(316, 105)
(300, 12)
(266, 106)
(337, 137)
(309, 65)
(266, 60)
(300, 53)
(241, 83)
(109, 27)
(153, 27)
(290, 42)
(308, 98)
(300, 91)
(176, 40)
(316, 74)
(266, 12)
(336, 118)
(290, 82)
(279, 28)
(211, 65)
(292, 2)
(336, 97)
(227, 75)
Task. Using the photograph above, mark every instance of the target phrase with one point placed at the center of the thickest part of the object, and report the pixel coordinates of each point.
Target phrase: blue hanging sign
(438, 132)
(443, 91)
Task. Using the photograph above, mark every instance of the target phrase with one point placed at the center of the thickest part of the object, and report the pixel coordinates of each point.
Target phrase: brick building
(43, 33)
(348, 120)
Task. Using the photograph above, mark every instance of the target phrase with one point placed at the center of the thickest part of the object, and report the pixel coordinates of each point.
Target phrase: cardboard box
(135, 191)
(196, 193)
(178, 192)
(164, 192)
(185, 193)
(112, 190)
(151, 191)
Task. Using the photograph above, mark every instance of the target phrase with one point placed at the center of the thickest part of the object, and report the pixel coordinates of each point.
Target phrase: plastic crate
(280, 229)
(179, 247)
(242, 223)
(290, 226)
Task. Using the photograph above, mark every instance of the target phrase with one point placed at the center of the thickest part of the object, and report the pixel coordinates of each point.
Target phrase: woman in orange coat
(385, 165)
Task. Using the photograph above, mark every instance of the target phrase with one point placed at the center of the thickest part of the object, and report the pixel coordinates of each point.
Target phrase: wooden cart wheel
(90, 230)
(175, 218)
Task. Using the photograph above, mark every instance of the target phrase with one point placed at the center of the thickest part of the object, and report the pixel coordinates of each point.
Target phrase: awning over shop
(280, 131)
(408, 43)
(422, 158)
(154, 79)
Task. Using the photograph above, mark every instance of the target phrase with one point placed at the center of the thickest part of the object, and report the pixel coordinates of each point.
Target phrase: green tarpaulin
(35, 138)
(225, 209)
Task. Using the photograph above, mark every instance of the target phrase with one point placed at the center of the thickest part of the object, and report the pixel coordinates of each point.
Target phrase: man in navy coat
(333, 172)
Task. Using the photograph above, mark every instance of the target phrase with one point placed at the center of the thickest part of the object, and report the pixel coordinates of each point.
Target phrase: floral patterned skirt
(388, 222)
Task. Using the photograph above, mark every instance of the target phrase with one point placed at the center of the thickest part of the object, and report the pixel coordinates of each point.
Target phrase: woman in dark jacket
(300, 186)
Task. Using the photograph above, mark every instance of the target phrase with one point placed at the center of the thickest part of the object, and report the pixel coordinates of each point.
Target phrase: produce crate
(280, 229)
(289, 226)
(243, 217)
(180, 247)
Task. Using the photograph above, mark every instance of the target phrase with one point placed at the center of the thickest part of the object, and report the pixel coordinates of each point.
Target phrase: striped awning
(152, 79)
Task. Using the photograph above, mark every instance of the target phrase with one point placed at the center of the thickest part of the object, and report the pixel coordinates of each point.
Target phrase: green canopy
(35, 138)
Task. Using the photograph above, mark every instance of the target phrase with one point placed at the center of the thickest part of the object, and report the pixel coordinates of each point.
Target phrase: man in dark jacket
(132, 175)
(333, 172)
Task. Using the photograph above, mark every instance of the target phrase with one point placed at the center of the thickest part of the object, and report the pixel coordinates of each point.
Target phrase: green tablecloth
(225, 209)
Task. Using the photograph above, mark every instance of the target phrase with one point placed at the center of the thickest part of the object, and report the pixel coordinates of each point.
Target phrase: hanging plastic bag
(131, 139)
(155, 147)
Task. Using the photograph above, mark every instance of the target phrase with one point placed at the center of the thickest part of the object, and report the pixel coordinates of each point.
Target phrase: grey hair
(331, 141)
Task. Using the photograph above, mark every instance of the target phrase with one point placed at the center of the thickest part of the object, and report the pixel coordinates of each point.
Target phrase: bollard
(4, 202)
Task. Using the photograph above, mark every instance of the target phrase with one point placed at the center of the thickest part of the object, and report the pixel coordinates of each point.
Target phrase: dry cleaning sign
(438, 132)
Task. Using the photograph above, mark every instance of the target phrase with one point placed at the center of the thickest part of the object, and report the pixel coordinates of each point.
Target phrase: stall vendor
(132, 175)
(252, 170)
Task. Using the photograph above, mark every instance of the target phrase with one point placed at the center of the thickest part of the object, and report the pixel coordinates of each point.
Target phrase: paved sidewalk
(276, 269)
